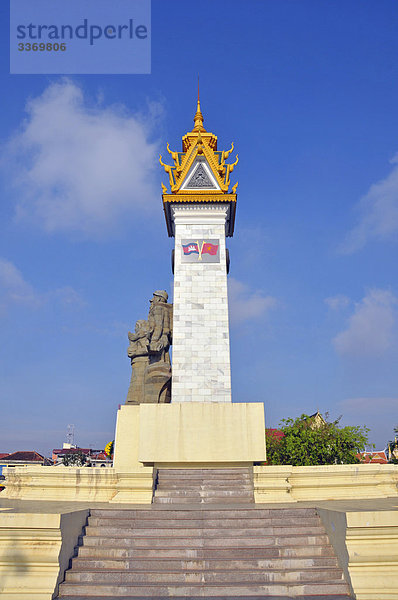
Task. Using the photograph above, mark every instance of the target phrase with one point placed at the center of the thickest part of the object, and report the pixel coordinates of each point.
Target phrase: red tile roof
(4, 454)
(99, 456)
(25, 455)
(378, 457)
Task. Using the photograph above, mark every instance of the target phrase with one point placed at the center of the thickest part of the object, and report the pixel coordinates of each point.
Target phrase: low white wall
(274, 483)
(35, 549)
(78, 484)
(366, 543)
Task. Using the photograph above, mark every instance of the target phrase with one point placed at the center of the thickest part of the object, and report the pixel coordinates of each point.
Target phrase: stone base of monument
(189, 435)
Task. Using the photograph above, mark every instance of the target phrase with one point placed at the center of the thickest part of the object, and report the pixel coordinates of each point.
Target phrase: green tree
(74, 459)
(393, 447)
(303, 443)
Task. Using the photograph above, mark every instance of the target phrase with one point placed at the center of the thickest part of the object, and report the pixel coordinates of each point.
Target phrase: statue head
(141, 326)
(160, 296)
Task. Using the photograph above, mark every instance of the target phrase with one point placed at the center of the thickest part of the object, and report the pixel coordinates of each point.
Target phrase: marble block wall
(201, 359)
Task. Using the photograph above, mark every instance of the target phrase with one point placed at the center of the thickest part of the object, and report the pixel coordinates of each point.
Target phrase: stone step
(200, 542)
(210, 493)
(198, 523)
(268, 597)
(204, 490)
(200, 485)
(165, 564)
(203, 500)
(225, 472)
(203, 484)
(197, 473)
(203, 513)
(189, 553)
(208, 532)
(233, 480)
(323, 574)
(191, 590)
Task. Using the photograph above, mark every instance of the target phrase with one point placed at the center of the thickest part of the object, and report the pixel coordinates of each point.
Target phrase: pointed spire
(198, 118)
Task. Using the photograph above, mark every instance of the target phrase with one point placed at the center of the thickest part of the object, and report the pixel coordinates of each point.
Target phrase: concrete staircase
(187, 486)
(204, 552)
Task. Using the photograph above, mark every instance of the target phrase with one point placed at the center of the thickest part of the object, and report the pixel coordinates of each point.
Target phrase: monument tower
(200, 214)
(197, 424)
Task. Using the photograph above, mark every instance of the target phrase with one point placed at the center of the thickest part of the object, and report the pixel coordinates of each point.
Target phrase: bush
(393, 448)
(305, 443)
(74, 459)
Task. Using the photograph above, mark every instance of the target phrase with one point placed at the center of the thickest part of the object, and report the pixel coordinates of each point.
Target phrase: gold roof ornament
(198, 118)
(199, 172)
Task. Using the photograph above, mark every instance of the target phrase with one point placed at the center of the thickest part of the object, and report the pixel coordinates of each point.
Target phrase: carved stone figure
(149, 353)
(138, 352)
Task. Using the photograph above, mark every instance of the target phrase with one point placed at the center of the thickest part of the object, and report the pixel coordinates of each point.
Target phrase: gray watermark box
(80, 37)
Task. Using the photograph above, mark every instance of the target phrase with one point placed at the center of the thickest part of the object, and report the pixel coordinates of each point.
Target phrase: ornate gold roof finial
(199, 149)
(198, 118)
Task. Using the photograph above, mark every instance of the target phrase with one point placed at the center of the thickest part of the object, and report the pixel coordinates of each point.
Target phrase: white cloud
(371, 327)
(337, 302)
(13, 287)
(79, 166)
(67, 296)
(378, 213)
(245, 304)
(15, 290)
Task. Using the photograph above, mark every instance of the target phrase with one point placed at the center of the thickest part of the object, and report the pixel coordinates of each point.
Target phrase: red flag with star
(210, 249)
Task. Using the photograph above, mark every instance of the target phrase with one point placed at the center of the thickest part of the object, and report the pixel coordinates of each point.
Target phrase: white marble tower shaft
(201, 357)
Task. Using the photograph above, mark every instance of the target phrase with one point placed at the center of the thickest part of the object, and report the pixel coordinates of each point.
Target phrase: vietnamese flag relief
(210, 248)
(191, 248)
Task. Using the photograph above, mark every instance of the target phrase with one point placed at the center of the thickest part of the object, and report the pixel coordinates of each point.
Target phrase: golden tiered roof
(200, 172)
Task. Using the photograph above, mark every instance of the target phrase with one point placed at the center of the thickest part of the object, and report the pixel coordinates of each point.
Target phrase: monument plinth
(200, 426)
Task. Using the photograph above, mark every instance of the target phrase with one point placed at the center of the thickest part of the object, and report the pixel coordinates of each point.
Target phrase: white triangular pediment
(200, 177)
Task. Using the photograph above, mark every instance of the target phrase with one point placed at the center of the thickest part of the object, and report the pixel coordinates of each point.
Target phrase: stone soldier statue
(160, 323)
(138, 352)
(149, 354)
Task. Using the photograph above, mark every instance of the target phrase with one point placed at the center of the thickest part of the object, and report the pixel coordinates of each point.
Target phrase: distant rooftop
(76, 449)
(23, 456)
(379, 457)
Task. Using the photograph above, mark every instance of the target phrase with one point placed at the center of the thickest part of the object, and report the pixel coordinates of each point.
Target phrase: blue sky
(308, 92)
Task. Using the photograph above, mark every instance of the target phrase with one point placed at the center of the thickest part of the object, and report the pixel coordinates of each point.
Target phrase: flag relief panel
(200, 250)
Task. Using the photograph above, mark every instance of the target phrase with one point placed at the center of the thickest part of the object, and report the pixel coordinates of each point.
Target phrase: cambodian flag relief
(191, 248)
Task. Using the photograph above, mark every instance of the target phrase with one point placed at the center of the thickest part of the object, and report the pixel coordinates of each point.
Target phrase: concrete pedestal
(189, 434)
